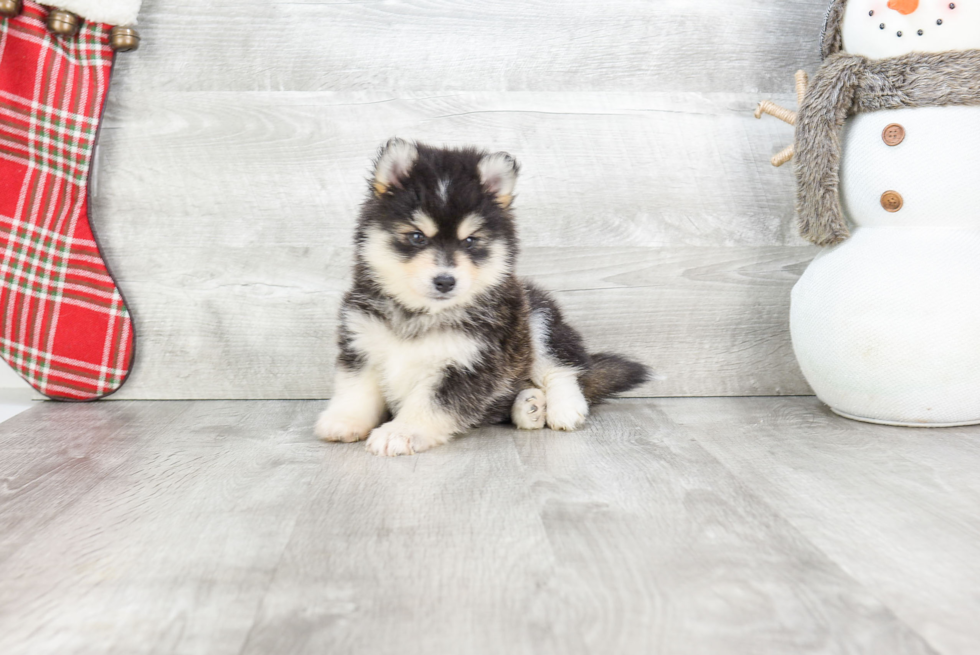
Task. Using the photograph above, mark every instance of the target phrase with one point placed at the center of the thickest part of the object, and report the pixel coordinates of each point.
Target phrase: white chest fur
(408, 366)
(934, 168)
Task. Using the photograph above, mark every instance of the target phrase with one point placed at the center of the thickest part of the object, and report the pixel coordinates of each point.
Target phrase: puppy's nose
(444, 283)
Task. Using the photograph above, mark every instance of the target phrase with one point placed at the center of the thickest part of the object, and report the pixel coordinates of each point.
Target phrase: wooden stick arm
(782, 157)
(785, 115)
(802, 83)
(771, 108)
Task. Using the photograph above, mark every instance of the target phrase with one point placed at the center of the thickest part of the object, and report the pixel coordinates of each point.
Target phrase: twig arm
(782, 157)
(771, 108)
(802, 82)
(785, 115)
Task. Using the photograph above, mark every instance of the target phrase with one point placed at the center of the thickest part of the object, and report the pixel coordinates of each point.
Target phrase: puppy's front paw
(567, 409)
(394, 439)
(333, 426)
(529, 410)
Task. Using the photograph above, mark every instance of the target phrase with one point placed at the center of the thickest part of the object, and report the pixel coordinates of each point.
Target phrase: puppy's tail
(610, 374)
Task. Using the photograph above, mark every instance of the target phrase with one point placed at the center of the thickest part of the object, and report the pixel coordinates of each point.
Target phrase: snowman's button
(893, 134)
(892, 201)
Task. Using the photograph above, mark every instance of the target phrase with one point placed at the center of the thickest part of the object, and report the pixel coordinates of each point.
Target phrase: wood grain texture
(235, 280)
(280, 169)
(46, 469)
(709, 321)
(660, 549)
(236, 143)
(165, 540)
(225, 527)
(464, 45)
(626, 545)
(437, 555)
(896, 508)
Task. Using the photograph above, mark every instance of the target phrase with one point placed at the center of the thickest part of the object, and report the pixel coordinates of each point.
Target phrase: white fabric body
(113, 12)
(862, 34)
(936, 168)
(886, 326)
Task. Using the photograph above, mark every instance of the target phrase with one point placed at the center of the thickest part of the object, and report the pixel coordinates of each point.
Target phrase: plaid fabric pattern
(63, 324)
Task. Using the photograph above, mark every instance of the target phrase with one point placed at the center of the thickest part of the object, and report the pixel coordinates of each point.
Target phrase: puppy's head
(435, 231)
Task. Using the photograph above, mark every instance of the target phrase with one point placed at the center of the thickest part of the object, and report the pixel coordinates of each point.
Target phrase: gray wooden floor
(681, 526)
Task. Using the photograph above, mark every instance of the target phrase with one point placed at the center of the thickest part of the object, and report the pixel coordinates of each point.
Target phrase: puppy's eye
(469, 242)
(417, 239)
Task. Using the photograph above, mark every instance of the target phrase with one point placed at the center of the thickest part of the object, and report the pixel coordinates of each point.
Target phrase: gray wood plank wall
(237, 140)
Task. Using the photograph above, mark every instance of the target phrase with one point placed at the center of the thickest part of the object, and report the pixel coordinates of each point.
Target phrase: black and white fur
(437, 334)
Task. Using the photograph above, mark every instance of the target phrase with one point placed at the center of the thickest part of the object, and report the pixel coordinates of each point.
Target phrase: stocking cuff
(113, 12)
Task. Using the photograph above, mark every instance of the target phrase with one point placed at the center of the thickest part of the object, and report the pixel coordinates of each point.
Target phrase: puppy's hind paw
(530, 410)
(333, 427)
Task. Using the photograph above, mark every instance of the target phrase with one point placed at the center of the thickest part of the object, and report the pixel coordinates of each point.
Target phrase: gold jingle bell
(123, 39)
(63, 23)
(11, 8)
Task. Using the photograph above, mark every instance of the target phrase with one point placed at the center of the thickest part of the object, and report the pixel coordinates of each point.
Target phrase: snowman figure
(886, 320)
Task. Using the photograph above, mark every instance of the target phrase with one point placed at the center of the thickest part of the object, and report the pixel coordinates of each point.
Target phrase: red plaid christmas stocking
(63, 323)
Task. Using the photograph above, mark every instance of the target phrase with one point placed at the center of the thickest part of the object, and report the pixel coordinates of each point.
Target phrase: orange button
(893, 134)
(892, 201)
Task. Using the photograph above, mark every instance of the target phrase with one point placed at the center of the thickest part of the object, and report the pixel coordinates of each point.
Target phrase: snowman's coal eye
(899, 35)
(939, 22)
(952, 5)
(871, 13)
(881, 27)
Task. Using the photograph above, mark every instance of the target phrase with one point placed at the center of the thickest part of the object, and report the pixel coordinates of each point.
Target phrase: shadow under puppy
(437, 330)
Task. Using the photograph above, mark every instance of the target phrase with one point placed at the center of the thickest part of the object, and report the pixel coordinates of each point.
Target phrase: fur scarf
(830, 41)
(849, 84)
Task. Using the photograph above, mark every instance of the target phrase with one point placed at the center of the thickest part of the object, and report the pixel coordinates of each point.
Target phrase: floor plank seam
(274, 571)
(749, 490)
(84, 495)
(719, 526)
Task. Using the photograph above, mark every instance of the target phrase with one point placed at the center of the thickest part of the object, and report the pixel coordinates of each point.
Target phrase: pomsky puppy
(437, 334)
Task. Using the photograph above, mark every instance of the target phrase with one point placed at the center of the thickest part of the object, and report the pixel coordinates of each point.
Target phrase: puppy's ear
(394, 163)
(498, 173)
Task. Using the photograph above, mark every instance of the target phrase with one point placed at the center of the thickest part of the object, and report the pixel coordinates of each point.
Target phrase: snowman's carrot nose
(903, 6)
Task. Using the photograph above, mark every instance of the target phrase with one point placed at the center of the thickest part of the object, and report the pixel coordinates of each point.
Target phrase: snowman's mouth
(920, 32)
(907, 7)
